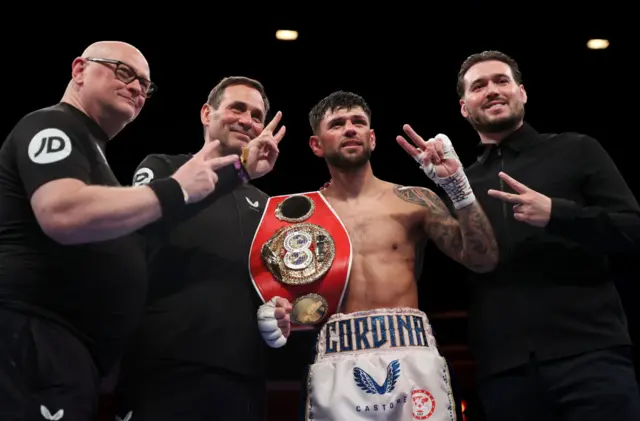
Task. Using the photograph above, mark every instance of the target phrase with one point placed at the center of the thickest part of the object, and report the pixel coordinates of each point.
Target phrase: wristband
(170, 194)
(242, 172)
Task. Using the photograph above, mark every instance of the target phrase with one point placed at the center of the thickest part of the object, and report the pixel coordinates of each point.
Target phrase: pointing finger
(507, 197)
(278, 136)
(409, 148)
(415, 137)
(208, 148)
(515, 185)
(273, 123)
(223, 161)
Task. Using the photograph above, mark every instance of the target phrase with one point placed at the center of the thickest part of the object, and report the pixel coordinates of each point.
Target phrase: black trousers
(46, 373)
(594, 386)
(189, 392)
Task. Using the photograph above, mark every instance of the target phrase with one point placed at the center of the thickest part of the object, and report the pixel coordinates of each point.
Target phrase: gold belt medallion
(299, 254)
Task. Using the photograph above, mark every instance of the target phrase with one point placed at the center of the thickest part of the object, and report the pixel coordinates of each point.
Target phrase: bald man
(72, 269)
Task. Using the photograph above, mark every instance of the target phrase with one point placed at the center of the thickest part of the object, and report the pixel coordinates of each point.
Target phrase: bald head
(118, 50)
(110, 82)
(105, 48)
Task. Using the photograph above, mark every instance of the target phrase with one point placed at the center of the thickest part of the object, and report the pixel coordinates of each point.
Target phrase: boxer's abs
(384, 236)
(380, 280)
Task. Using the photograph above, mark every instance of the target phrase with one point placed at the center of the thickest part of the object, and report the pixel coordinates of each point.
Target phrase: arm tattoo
(469, 239)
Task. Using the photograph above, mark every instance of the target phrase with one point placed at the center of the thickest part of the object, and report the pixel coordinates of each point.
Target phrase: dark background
(403, 61)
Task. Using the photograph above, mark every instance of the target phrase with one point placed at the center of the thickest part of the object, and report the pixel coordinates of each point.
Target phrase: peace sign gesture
(436, 155)
(529, 206)
(261, 153)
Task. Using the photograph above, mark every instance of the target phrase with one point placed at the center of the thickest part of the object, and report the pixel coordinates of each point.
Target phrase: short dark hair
(215, 96)
(335, 101)
(490, 55)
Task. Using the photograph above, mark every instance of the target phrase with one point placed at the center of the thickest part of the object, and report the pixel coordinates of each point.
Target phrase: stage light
(286, 35)
(597, 44)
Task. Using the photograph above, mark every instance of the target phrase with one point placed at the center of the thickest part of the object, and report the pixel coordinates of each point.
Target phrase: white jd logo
(142, 176)
(49, 145)
(47, 415)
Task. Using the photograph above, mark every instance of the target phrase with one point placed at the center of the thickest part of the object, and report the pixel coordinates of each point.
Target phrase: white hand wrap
(456, 185)
(268, 325)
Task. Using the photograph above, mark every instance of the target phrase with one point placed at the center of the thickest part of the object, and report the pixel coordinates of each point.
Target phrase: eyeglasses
(126, 74)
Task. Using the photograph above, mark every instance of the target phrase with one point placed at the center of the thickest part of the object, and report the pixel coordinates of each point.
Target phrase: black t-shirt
(96, 290)
(201, 306)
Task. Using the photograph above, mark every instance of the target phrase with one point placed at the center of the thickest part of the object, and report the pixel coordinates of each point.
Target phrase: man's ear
(205, 114)
(77, 70)
(523, 94)
(463, 109)
(372, 137)
(316, 148)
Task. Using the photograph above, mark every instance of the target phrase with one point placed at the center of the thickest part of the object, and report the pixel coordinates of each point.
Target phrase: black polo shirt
(202, 305)
(552, 293)
(96, 290)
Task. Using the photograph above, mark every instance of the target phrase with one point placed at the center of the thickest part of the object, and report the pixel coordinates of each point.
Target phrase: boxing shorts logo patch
(302, 252)
(369, 385)
(49, 146)
(424, 405)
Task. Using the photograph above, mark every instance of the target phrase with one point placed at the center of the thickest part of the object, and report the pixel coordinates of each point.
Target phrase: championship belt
(301, 252)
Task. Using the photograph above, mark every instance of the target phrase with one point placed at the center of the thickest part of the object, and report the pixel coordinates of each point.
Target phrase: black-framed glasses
(126, 74)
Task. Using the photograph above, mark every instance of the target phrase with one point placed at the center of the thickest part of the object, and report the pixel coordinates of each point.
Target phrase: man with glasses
(72, 270)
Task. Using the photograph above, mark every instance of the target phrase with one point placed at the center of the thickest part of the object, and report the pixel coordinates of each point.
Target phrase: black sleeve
(157, 166)
(48, 148)
(610, 219)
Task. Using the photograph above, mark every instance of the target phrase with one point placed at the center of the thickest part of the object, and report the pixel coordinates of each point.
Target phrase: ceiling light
(597, 44)
(286, 35)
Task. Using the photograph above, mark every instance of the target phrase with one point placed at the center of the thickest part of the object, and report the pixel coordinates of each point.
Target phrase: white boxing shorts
(380, 364)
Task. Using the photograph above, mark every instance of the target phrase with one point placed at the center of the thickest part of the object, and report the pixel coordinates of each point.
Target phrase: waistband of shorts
(375, 330)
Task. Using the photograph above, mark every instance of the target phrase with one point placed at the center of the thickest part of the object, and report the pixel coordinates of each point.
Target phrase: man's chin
(121, 113)
(348, 163)
(496, 125)
(234, 146)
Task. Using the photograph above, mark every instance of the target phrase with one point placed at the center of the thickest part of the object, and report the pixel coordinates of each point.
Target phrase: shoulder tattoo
(421, 196)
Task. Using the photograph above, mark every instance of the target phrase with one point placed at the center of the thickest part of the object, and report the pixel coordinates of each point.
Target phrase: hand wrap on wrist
(268, 325)
(456, 185)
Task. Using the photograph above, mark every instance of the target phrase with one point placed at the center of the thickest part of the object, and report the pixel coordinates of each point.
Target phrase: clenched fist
(274, 321)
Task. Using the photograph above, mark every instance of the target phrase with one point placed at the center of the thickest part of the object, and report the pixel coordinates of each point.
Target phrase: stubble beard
(348, 163)
(499, 125)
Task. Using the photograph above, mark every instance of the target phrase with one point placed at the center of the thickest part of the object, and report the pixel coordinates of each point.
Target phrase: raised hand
(274, 321)
(436, 156)
(439, 161)
(262, 152)
(528, 205)
(197, 176)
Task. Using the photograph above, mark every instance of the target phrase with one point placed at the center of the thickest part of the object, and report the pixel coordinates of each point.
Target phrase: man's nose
(245, 120)
(349, 129)
(492, 89)
(135, 88)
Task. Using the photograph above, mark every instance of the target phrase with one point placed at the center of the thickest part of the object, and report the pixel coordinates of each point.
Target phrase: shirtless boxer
(377, 358)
